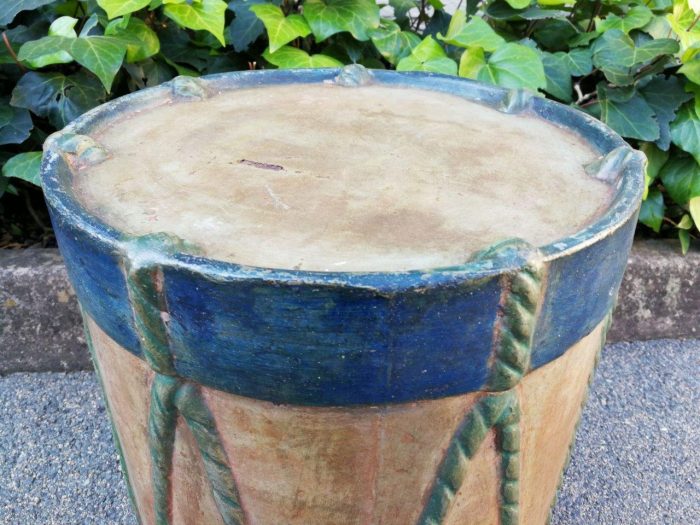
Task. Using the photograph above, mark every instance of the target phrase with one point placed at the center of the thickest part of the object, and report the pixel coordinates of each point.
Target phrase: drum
(330, 297)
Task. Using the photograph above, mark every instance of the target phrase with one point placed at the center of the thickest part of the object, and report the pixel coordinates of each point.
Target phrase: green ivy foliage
(633, 64)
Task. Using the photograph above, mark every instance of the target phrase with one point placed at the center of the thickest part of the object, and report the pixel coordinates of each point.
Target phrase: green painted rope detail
(508, 437)
(162, 422)
(522, 290)
(201, 422)
(115, 436)
(171, 395)
(495, 410)
(500, 408)
(144, 282)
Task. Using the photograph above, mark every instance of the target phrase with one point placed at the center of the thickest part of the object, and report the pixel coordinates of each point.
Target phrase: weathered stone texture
(40, 326)
(660, 294)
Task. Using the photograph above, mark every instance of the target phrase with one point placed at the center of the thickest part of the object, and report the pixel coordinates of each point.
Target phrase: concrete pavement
(636, 459)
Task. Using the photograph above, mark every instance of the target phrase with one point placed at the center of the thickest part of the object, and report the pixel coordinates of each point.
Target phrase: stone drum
(334, 297)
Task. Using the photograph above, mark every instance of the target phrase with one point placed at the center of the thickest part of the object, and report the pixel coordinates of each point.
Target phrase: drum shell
(340, 397)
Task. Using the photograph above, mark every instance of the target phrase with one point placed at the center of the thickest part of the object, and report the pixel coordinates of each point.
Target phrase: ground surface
(636, 460)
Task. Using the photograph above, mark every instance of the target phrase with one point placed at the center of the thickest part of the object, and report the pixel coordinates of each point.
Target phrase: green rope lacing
(499, 409)
(172, 395)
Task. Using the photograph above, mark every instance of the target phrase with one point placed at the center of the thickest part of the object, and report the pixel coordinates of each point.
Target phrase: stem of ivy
(420, 18)
(531, 28)
(12, 51)
(588, 103)
(675, 225)
(596, 12)
(580, 96)
(695, 21)
(286, 7)
(652, 64)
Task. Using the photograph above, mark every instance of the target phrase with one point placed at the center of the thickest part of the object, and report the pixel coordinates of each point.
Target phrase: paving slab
(636, 459)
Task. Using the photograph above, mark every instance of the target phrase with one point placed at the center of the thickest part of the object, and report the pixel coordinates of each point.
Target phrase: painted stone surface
(247, 395)
(375, 465)
(337, 178)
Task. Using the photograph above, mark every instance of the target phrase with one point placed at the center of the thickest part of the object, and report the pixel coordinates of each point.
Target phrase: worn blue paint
(304, 343)
(581, 289)
(339, 338)
(94, 269)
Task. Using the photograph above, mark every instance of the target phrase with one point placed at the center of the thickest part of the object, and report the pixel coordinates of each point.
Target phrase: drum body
(249, 395)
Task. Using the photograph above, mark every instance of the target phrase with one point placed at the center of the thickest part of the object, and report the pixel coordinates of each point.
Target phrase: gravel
(636, 459)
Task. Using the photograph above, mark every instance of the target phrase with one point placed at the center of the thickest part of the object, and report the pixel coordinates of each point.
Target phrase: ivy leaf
(691, 69)
(6, 113)
(103, 55)
(616, 55)
(206, 15)
(246, 27)
(348, 50)
(428, 56)
(684, 237)
(280, 29)
(393, 43)
(475, 33)
(89, 26)
(17, 36)
(17, 127)
(652, 211)
(681, 178)
(558, 75)
(63, 26)
(651, 49)
(401, 9)
(627, 113)
(685, 130)
(24, 166)
(56, 96)
(656, 158)
(578, 60)
(141, 41)
(637, 16)
(149, 73)
(439, 23)
(177, 47)
(685, 223)
(664, 96)
(51, 49)
(471, 62)
(694, 207)
(10, 8)
(518, 4)
(582, 39)
(115, 8)
(683, 24)
(514, 66)
(289, 57)
(500, 10)
(328, 17)
(46, 51)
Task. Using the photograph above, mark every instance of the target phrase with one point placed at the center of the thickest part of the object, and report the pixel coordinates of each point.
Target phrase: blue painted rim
(624, 205)
(341, 338)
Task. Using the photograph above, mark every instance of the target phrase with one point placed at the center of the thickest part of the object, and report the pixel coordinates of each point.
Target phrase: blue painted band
(340, 338)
